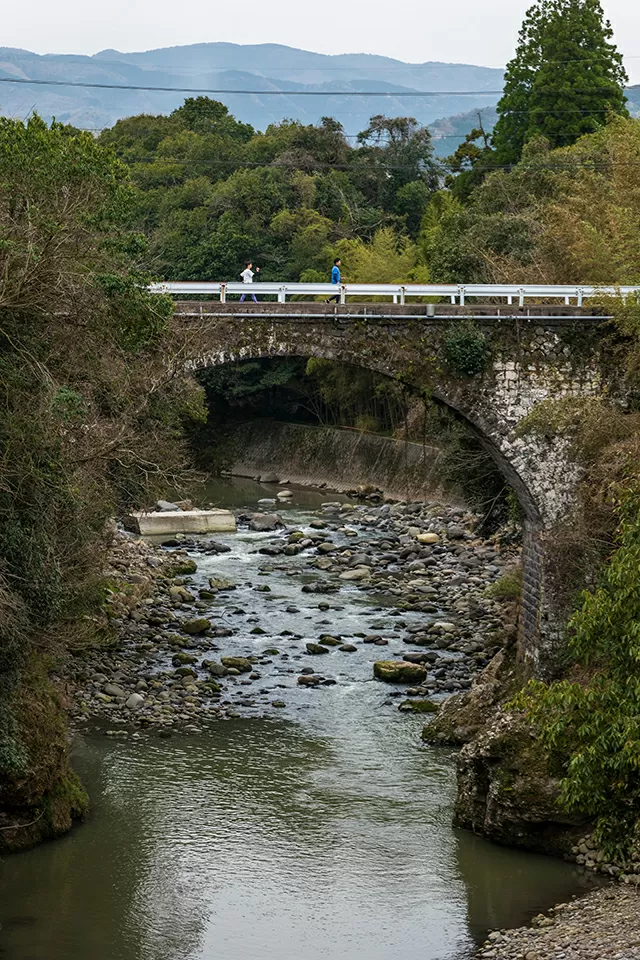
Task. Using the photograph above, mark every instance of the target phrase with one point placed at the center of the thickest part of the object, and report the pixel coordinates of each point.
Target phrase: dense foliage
(91, 413)
(214, 193)
(565, 78)
(590, 722)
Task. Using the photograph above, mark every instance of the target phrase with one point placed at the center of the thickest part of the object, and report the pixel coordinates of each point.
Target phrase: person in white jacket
(247, 277)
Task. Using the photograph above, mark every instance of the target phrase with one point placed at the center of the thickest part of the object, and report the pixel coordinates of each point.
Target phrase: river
(321, 831)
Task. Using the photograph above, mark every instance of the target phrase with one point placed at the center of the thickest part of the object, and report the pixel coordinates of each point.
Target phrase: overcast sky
(458, 31)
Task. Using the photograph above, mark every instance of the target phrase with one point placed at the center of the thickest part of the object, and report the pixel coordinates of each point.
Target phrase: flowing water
(321, 832)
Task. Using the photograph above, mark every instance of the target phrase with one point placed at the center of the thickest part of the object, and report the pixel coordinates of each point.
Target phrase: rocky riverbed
(191, 647)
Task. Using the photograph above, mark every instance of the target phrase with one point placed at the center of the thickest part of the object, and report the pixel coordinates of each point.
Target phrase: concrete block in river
(181, 521)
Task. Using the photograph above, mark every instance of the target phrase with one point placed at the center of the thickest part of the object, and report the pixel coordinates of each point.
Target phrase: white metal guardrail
(458, 293)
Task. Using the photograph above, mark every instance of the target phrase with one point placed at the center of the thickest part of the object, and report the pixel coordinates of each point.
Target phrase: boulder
(215, 669)
(241, 664)
(284, 495)
(418, 706)
(134, 701)
(428, 538)
(183, 659)
(221, 583)
(263, 522)
(358, 573)
(316, 649)
(269, 478)
(330, 641)
(113, 690)
(194, 627)
(399, 671)
(181, 594)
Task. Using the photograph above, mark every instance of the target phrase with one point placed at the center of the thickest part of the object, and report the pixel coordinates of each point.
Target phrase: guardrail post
(223, 293)
(510, 300)
(580, 295)
(282, 295)
(521, 297)
(343, 293)
(395, 298)
(461, 291)
(402, 293)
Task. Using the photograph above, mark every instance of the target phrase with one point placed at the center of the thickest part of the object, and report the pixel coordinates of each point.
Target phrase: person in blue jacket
(335, 278)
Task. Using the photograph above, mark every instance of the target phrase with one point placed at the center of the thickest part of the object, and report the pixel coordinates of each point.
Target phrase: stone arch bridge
(536, 353)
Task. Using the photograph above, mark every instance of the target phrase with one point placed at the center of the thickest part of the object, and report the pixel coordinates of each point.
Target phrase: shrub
(465, 349)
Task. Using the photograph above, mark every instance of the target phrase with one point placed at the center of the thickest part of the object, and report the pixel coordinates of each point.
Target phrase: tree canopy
(214, 193)
(566, 77)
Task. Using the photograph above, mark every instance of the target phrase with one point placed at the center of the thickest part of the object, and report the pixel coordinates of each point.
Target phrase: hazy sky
(461, 31)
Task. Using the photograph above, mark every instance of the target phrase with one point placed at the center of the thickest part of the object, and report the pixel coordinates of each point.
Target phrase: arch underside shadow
(385, 366)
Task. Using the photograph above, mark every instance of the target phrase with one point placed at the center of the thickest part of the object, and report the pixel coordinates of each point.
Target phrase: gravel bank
(604, 925)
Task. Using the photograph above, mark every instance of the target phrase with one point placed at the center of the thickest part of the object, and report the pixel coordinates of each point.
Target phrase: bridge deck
(386, 311)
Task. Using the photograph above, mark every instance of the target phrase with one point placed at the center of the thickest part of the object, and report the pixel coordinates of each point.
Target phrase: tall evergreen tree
(566, 76)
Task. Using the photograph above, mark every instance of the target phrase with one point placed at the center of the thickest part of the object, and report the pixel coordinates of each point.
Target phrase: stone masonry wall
(338, 459)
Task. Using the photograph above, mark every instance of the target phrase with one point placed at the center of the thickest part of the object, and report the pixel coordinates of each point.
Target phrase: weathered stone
(221, 584)
(399, 671)
(358, 573)
(419, 706)
(316, 649)
(263, 522)
(241, 664)
(194, 627)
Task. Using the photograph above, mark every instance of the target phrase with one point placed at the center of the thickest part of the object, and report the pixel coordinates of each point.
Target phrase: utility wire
(264, 93)
(279, 93)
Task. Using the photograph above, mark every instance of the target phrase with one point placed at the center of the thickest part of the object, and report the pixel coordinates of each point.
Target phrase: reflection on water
(259, 840)
(324, 836)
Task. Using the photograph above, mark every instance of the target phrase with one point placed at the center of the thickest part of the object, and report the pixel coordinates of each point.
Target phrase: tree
(472, 161)
(566, 77)
(394, 151)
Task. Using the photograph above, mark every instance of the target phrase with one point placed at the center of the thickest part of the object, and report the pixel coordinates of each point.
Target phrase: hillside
(228, 67)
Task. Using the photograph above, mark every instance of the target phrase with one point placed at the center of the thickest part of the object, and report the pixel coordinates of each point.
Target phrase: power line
(262, 93)
(280, 93)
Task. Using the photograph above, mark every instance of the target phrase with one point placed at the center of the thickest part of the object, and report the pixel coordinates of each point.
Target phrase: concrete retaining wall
(338, 459)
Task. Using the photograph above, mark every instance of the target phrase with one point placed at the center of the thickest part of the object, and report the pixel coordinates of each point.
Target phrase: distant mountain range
(262, 68)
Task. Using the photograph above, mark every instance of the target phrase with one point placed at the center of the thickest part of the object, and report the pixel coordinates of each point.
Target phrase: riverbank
(604, 925)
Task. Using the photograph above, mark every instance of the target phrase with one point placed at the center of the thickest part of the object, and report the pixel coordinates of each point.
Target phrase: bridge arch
(528, 363)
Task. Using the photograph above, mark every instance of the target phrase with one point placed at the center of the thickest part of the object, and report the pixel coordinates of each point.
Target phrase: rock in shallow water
(399, 671)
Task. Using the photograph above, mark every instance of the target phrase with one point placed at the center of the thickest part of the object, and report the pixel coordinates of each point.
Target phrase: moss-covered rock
(182, 659)
(241, 664)
(194, 627)
(316, 649)
(221, 584)
(418, 706)
(181, 567)
(399, 671)
(508, 793)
